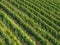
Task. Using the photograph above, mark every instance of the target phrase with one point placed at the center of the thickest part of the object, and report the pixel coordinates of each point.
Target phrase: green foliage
(25, 19)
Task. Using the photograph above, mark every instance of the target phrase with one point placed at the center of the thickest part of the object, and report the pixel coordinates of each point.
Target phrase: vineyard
(29, 22)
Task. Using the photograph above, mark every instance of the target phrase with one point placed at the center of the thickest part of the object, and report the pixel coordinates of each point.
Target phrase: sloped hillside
(29, 22)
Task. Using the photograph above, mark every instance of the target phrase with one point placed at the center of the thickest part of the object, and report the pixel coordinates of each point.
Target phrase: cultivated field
(29, 22)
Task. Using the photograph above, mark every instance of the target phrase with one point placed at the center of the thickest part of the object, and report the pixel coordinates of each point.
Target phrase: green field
(29, 22)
